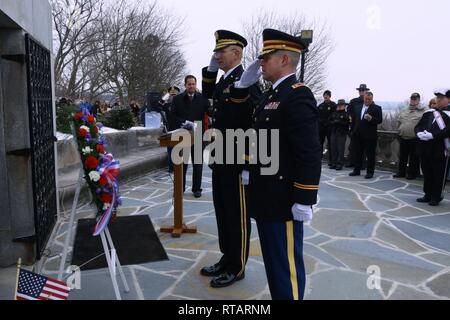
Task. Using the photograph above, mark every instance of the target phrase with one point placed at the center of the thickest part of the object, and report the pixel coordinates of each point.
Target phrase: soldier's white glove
(166, 97)
(188, 125)
(302, 212)
(245, 176)
(213, 64)
(250, 76)
(425, 136)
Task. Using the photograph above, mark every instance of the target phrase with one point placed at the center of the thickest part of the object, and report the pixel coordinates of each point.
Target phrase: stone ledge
(137, 150)
(140, 162)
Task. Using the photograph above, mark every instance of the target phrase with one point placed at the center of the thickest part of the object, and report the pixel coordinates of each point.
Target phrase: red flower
(78, 116)
(95, 129)
(103, 181)
(91, 118)
(100, 149)
(82, 133)
(91, 162)
(106, 198)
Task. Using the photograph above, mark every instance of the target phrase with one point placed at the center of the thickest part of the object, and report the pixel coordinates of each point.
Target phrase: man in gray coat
(409, 117)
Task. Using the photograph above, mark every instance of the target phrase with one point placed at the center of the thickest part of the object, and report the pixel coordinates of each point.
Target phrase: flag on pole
(32, 286)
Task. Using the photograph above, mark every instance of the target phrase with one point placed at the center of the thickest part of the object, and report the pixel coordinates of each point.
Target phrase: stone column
(17, 219)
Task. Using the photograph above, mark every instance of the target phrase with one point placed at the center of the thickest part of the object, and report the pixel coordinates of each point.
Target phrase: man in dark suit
(354, 104)
(366, 119)
(191, 106)
(281, 202)
(232, 110)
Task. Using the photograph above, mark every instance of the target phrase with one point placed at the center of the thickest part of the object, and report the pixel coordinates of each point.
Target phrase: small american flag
(33, 286)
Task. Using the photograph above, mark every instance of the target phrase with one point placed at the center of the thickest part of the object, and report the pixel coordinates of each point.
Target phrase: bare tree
(115, 47)
(74, 37)
(141, 48)
(319, 50)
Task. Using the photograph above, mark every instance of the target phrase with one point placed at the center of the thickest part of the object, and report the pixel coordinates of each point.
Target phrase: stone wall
(388, 150)
(17, 17)
(120, 144)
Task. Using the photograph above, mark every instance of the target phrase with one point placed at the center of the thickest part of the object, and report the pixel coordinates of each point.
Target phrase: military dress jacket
(292, 110)
(232, 109)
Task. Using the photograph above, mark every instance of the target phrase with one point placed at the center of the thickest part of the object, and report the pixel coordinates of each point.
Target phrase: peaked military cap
(225, 38)
(445, 92)
(276, 40)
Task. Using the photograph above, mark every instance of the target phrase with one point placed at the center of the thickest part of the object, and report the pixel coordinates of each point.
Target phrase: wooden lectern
(179, 227)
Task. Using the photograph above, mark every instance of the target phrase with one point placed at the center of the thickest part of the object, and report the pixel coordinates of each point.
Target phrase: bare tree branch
(319, 50)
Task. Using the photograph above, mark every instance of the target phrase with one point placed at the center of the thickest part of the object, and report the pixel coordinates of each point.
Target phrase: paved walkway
(358, 224)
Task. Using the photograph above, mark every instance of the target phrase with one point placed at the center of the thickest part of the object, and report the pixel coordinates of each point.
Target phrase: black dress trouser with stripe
(233, 221)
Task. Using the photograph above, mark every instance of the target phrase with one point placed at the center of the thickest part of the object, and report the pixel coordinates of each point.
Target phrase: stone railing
(137, 150)
(120, 144)
(388, 149)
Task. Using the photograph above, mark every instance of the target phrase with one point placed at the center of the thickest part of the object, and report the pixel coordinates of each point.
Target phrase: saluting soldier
(434, 132)
(231, 110)
(281, 203)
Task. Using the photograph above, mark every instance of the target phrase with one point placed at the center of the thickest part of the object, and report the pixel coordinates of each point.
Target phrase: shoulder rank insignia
(298, 85)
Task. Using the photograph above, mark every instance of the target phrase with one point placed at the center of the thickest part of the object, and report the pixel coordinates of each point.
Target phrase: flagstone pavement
(358, 226)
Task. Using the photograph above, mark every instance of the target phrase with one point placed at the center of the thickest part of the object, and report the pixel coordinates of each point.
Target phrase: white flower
(85, 128)
(94, 176)
(106, 206)
(86, 150)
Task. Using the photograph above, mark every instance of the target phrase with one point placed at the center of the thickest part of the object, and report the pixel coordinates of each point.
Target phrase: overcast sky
(396, 47)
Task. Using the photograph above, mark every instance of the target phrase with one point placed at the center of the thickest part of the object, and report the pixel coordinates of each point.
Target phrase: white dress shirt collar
(364, 110)
(229, 72)
(279, 81)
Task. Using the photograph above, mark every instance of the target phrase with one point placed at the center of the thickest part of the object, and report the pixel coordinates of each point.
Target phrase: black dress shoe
(434, 203)
(369, 176)
(350, 166)
(333, 167)
(410, 178)
(226, 279)
(398, 175)
(354, 174)
(423, 200)
(197, 194)
(212, 271)
(339, 168)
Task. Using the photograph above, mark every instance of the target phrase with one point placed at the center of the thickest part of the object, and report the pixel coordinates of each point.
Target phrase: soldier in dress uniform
(232, 109)
(281, 203)
(434, 132)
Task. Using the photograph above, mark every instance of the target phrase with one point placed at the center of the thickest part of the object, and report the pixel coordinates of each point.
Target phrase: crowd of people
(422, 134)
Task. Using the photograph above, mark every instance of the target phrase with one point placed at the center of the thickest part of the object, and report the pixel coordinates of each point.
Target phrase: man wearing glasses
(232, 109)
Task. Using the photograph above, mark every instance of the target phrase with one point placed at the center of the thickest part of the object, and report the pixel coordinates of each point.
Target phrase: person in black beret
(326, 109)
(339, 127)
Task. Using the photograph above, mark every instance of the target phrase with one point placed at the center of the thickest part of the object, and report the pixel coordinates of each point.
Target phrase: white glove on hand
(245, 177)
(188, 125)
(213, 64)
(302, 212)
(425, 136)
(250, 76)
(166, 97)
